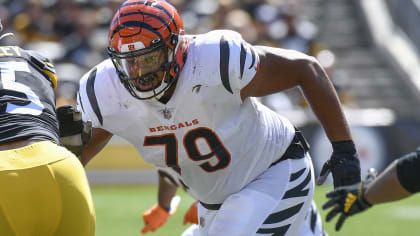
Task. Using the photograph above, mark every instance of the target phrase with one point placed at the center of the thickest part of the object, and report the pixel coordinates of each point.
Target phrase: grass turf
(119, 212)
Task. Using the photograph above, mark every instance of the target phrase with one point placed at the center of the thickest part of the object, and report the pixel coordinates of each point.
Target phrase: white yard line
(408, 212)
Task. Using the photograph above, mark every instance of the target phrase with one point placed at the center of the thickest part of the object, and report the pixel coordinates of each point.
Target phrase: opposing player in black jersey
(43, 187)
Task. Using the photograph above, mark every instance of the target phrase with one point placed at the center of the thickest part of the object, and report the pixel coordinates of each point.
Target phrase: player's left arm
(156, 216)
(166, 191)
(281, 69)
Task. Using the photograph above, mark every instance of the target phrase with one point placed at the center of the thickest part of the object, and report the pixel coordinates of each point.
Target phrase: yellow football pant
(37, 199)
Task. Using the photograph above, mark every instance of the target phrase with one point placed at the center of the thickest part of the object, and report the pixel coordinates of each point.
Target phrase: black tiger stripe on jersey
(90, 91)
(224, 63)
(298, 191)
(297, 174)
(283, 215)
(242, 59)
(279, 231)
(314, 217)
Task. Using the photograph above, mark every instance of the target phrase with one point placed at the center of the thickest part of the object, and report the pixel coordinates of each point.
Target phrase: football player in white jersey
(187, 102)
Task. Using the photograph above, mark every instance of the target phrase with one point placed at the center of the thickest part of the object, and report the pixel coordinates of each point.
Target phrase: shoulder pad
(225, 54)
(44, 65)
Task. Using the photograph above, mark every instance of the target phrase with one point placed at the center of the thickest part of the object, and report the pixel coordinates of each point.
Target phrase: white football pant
(278, 202)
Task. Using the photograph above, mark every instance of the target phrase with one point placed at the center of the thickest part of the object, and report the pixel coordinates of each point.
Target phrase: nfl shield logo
(166, 113)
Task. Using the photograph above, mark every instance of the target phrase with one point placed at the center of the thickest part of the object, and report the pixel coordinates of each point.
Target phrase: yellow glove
(191, 216)
(154, 218)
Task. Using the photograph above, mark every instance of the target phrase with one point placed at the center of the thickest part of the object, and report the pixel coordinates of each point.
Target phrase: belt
(296, 150)
(213, 207)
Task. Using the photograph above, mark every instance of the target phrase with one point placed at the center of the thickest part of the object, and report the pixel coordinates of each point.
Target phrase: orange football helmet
(143, 41)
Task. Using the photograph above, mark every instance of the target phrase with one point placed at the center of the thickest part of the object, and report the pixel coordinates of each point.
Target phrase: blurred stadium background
(370, 48)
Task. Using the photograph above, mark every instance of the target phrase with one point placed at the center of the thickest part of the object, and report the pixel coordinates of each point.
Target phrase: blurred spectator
(35, 23)
(68, 83)
(77, 42)
(240, 21)
(327, 60)
(300, 35)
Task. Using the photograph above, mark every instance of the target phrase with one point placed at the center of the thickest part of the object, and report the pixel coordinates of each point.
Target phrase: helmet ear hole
(155, 41)
(174, 40)
(176, 68)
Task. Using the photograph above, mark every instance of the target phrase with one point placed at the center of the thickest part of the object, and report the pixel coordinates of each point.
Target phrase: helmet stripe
(156, 5)
(135, 23)
(142, 13)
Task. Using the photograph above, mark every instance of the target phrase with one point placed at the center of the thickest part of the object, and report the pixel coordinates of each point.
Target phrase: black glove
(348, 200)
(344, 165)
(74, 133)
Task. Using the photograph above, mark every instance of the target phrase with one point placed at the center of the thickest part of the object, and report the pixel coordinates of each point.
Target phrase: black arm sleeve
(408, 171)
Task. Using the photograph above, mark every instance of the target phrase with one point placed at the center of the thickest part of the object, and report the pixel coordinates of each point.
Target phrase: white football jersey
(217, 142)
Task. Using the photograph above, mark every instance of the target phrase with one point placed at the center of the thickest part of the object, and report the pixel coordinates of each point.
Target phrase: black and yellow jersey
(27, 100)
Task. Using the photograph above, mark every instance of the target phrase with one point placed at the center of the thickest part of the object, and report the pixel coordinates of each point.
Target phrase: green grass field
(119, 212)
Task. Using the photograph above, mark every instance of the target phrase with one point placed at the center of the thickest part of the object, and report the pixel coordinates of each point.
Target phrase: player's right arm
(167, 204)
(156, 216)
(281, 69)
(90, 102)
(98, 141)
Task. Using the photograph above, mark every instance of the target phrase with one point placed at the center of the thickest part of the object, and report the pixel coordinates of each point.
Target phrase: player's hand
(344, 165)
(348, 200)
(191, 216)
(74, 133)
(156, 216)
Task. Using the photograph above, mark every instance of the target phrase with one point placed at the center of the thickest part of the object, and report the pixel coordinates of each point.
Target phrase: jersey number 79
(170, 142)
